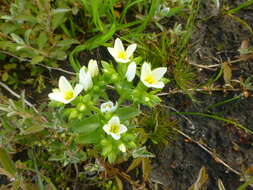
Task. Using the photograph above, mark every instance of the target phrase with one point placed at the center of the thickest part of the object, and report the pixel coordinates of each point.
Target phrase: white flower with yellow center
(108, 107)
(131, 70)
(93, 67)
(65, 93)
(119, 53)
(85, 78)
(151, 78)
(114, 128)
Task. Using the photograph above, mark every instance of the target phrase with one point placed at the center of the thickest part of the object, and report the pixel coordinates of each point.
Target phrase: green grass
(239, 7)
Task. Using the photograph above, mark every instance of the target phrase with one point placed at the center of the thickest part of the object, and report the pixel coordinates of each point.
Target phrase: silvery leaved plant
(98, 113)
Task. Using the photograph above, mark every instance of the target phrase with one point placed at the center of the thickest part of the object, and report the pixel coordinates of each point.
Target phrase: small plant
(91, 117)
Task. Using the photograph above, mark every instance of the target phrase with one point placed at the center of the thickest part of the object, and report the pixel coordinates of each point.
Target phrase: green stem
(219, 118)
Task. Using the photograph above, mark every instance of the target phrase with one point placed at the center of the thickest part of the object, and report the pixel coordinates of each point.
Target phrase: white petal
(159, 73)
(131, 70)
(145, 70)
(115, 136)
(130, 50)
(56, 90)
(64, 84)
(114, 121)
(57, 96)
(119, 60)
(114, 107)
(157, 85)
(107, 106)
(122, 129)
(106, 128)
(118, 45)
(89, 80)
(112, 51)
(78, 88)
(93, 68)
(85, 79)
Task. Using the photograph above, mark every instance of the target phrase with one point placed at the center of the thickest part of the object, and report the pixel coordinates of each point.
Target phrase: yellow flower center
(114, 129)
(150, 79)
(122, 55)
(68, 95)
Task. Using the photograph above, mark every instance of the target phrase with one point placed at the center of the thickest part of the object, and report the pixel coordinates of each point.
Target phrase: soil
(216, 38)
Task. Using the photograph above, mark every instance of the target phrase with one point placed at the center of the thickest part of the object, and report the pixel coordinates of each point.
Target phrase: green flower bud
(81, 107)
(104, 142)
(96, 88)
(147, 99)
(74, 114)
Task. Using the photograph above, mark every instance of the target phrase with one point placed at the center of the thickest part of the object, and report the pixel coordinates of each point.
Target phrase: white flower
(108, 107)
(131, 70)
(152, 78)
(122, 147)
(114, 128)
(93, 67)
(85, 78)
(119, 53)
(65, 93)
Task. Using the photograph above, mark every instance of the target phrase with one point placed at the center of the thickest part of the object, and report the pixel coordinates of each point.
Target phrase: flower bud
(122, 147)
(131, 70)
(93, 68)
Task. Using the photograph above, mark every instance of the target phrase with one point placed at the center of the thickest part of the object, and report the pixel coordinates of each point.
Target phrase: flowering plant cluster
(105, 100)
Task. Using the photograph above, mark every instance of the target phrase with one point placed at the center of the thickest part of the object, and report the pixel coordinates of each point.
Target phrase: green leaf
(7, 28)
(135, 163)
(17, 39)
(57, 157)
(10, 66)
(142, 153)
(5, 77)
(127, 113)
(27, 35)
(58, 19)
(67, 42)
(87, 125)
(7, 44)
(2, 57)
(37, 59)
(173, 11)
(61, 10)
(6, 162)
(119, 183)
(58, 54)
(89, 138)
(112, 157)
(5, 123)
(42, 40)
(26, 18)
(33, 129)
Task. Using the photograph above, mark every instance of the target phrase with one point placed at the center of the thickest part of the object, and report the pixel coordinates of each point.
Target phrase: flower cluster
(95, 83)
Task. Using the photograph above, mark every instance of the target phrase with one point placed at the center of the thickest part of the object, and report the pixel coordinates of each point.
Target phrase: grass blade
(7, 163)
